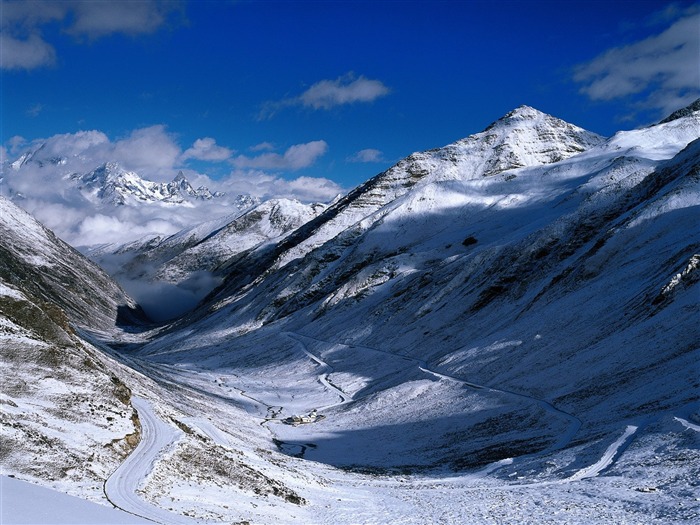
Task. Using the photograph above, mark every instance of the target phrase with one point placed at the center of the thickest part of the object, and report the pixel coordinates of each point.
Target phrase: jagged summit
(113, 184)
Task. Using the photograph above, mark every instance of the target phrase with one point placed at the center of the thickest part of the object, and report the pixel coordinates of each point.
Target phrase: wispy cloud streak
(328, 94)
(664, 69)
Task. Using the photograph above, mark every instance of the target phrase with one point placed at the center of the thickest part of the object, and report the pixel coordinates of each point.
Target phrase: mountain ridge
(441, 343)
(110, 183)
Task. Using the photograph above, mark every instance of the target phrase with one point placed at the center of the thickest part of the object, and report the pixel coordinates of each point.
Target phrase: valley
(502, 330)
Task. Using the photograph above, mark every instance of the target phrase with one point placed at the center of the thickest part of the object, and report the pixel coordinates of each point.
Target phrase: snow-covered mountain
(438, 203)
(524, 137)
(537, 286)
(500, 330)
(207, 246)
(112, 184)
(42, 265)
(192, 262)
(109, 183)
(107, 204)
(66, 414)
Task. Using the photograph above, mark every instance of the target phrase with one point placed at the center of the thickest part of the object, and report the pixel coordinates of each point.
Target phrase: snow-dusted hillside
(186, 266)
(35, 260)
(78, 420)
(464, 316)
(66, 412)
(503, 330)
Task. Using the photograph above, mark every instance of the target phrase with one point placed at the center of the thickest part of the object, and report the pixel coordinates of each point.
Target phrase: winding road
(574, 423)
(121, 488)
(614, 450)
(323, 376)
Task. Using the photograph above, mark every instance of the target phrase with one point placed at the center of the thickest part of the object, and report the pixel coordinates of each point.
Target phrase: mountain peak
(528, 137)
(524, 111)
(111, 183)
(527, 115)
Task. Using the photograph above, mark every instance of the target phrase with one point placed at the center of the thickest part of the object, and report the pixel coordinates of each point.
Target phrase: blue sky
(292, 92)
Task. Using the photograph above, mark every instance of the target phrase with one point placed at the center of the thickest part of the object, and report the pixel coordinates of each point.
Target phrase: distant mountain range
(110, 183)
(107, 203)
(508, 320)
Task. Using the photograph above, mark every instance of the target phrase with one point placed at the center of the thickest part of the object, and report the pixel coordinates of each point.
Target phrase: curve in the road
(121, 487)
(574, 423)
(615, 449)
(323, 376)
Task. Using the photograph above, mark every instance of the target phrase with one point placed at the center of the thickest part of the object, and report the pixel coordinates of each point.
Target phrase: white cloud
(99, 229)
(367, 155)
(265, 186)
(327, 94)
(665, 67)
(207, 149)
(21, 44)
(343, 90)
(16, 142)
(263, 146)
(150, 151)
(83, 144)
(296, 157)
(30, 53)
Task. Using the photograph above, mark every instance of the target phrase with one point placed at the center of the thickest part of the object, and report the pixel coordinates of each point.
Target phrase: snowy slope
(19, 506)
(464, 317)
(66, 414)
(70, 417)
(186, 266)
(503, 330)
(34, 259)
